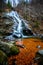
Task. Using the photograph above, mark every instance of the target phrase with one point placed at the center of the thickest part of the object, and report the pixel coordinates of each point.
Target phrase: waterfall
(20, 27)
(14, 3)
(27, 1)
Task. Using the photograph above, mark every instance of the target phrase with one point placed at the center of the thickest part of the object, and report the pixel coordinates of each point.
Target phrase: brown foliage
(26, 54)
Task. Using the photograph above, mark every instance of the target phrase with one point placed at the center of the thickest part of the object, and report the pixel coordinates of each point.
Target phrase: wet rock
(20, 45)
(10, 38)
(41, 37)
(3, 58)
(38, 46)
(9, 48)
(7, 43)
(27, 32)
(40, 62)
(39, 57)
(40, 52)
(5, 48)
(6, 24)
(14, 50)
(17, 35)
(5, 33)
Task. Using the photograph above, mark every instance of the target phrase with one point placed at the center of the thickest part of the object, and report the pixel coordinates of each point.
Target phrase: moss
(36, 24)
(25, 16)
(3, 57)
(14, 50)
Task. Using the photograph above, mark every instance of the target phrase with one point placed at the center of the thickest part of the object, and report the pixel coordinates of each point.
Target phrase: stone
(38, 46)
(5, 48)
(10, 38)
(9, 48)
(20, 45)
(6, 24)
(3, 58)
(40, 52)
(39, 57)
(14, 50)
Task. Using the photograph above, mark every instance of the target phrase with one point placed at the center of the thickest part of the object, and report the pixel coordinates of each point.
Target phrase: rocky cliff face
(37, 1)
(2, 5)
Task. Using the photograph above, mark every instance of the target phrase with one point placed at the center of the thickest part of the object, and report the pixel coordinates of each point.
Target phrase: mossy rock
(14, 50)
(9, 48)
(39, 57)
(5, 48)
(3, 58)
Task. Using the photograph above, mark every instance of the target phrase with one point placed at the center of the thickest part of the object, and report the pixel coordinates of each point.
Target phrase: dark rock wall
(37, 1)
(2, 5)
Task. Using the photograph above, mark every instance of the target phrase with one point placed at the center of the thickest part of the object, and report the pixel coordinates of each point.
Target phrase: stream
(18, 43)
(20, 27)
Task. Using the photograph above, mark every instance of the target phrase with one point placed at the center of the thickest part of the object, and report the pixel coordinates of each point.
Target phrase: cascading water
(14, 3)
(19, 25)
(27, 1)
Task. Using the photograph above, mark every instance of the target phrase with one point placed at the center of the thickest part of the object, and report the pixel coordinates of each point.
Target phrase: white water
(18, 23)
(15, 15)
(14, 3)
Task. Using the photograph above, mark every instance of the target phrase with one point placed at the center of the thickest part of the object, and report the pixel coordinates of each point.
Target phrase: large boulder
(5, 48)
(39, 57)
(14, 50)
(9, 48)
(6, 24)
(3, 58)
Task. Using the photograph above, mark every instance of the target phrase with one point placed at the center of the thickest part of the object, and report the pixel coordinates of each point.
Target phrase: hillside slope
(33, 14)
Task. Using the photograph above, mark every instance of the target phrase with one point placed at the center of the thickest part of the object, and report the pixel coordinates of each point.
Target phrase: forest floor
(27, 54)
